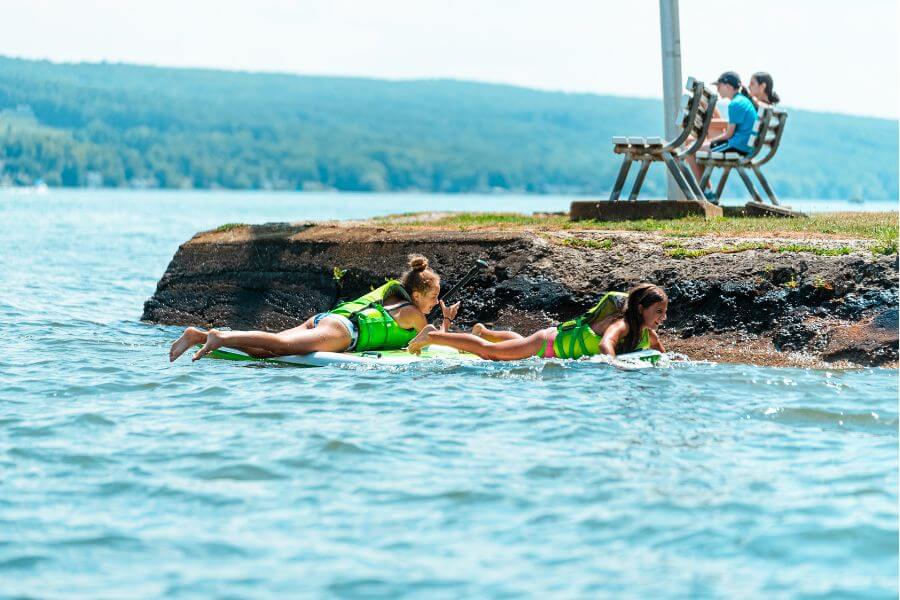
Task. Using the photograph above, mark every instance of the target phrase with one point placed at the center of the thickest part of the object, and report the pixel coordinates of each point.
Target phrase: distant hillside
(120, 125)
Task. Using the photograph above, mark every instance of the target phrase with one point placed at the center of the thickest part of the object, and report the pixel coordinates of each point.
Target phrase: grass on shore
(593, 244)
(679, 251)
(228, 227)
(880, 227)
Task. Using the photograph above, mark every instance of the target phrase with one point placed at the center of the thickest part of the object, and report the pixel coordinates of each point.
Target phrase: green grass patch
(682, 252)
(466, 220)
(228, 227)
(879, 226)
(886, 247)
(839, 251)
(593, 244)
(678, 251)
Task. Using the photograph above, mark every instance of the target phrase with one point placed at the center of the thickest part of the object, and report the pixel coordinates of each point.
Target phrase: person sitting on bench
(763, 96)
(741, 117)
(760, 88)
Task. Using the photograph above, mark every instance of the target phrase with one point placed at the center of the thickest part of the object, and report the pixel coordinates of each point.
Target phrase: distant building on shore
(21, 112)
(93, 179)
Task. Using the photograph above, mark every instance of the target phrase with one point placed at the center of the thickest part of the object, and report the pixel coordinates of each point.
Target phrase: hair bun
(417, 262)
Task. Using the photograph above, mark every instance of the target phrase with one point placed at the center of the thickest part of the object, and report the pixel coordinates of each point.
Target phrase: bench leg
(620, 179)
(691, 180)
(705, 177)
(765, 185)
(749, 184)
(679, 177)
(721, 187)
(639, 180)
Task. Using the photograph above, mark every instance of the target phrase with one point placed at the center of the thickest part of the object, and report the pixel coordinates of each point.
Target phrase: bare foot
(478, 329)
(213, 340)
(421, 340)
(191, 337)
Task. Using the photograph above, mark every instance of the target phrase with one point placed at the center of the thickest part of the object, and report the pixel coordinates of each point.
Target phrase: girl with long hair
(762, 89)
(599, 331)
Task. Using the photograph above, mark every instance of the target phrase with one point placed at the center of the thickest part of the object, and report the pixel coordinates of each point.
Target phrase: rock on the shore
(764, 306)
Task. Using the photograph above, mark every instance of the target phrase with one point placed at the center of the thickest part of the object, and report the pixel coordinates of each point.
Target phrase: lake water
(124, 476)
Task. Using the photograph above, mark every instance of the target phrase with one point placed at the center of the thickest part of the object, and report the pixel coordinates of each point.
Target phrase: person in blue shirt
(741, 117)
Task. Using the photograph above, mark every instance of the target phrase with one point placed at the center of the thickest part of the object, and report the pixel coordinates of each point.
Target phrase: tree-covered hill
(119, 125)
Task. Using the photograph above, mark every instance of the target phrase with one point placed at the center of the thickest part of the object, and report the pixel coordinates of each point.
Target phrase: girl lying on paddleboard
(386, 318)
(619, 323)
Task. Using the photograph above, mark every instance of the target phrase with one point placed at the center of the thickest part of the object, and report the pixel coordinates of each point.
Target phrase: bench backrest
(696, 110)
(694, 124)
(772, 138)
(761, 132)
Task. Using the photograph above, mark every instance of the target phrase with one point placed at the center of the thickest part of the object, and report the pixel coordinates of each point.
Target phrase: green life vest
(377, 328)
(575, 338)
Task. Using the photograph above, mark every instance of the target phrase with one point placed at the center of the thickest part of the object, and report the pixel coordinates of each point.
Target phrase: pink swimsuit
(549, 336)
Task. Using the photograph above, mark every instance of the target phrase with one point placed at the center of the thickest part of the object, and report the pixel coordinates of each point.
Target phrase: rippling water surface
(124, 476)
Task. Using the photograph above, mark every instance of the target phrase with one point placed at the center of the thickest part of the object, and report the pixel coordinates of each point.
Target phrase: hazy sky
(824, 54)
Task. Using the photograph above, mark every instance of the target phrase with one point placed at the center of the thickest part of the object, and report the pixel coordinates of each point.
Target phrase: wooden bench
(771, 143)
(764, 142)
(697, 108)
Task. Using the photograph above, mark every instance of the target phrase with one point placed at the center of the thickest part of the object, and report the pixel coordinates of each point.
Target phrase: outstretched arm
(655, 343)
(514, 349)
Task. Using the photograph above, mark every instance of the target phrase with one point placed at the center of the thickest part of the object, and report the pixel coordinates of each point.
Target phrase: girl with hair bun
(386, 318)
(619, 323)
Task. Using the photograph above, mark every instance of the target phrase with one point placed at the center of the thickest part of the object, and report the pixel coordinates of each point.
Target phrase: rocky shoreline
(763, 300)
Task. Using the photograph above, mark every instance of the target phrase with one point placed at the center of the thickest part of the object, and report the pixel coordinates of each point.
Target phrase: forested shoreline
(116, 125)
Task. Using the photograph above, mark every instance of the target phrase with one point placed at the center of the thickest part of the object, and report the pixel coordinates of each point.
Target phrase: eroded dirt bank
(758, 305)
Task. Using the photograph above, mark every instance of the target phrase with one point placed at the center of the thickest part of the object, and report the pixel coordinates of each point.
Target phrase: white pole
(671, 66)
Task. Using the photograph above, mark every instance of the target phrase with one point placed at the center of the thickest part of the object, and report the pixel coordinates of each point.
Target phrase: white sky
(829, 55)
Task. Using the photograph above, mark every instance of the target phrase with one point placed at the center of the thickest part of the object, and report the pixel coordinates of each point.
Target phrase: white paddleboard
(635, 360)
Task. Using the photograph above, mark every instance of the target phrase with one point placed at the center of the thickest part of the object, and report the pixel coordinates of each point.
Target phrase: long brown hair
(640, 296)
(762, 77)
(419, 278)
(743, 91)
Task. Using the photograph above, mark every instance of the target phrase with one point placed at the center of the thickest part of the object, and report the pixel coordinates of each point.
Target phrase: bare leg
(494, 335)
(193, 336)
(328, 336)
(692, 163)
(263, 353)
(513, 349)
